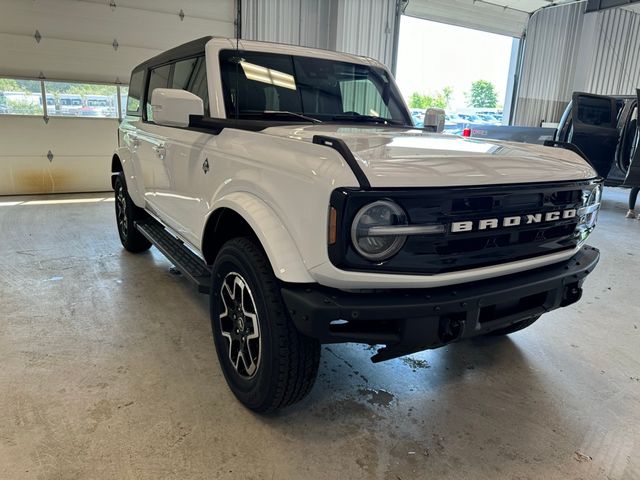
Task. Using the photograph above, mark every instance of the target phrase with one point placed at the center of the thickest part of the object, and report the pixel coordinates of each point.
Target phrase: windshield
(258, 84)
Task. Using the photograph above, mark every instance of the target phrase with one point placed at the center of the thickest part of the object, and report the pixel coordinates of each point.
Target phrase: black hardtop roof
(188, 49)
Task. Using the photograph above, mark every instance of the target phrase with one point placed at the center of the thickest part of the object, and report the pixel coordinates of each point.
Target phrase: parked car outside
(417, 115)
(70, 104)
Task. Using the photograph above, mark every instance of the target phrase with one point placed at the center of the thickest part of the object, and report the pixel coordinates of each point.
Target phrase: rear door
(595, 129)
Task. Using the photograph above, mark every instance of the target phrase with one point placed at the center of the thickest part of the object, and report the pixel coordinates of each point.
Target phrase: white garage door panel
(34, 175)
(57, 58)
(195, 8)
(77, 36)
(82, 150)
(98, 23)
(467, 13)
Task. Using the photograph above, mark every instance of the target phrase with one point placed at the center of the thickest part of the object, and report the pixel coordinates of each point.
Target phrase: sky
(434, 55)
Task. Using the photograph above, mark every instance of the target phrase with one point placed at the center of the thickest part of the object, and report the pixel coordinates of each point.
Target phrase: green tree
(483, 94)
(437, 100)
(9, 85)
(23, 107)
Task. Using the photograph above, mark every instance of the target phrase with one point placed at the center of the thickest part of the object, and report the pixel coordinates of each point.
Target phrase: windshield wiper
(368, 118)
(284, 113)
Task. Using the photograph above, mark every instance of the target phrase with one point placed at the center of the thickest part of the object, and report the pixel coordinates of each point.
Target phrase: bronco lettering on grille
(513, 221)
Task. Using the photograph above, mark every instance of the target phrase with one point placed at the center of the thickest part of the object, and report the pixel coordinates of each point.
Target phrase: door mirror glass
(172, 107)
(434, 118)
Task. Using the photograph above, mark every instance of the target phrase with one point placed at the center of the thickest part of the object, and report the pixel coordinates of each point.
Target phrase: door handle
(135, 142)
(160, 150)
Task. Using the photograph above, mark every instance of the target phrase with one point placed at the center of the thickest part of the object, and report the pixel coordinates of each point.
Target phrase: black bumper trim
(410, 320)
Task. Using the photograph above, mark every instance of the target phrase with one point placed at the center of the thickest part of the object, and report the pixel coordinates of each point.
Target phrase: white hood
(399, 157)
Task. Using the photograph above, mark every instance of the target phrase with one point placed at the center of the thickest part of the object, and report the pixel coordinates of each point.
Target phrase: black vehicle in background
(605, 129)
(633, 174)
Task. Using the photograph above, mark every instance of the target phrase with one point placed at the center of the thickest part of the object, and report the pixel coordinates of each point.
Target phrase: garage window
(81, 100)
(20, 97)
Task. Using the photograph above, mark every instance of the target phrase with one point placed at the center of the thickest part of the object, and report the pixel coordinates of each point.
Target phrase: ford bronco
(290, 184)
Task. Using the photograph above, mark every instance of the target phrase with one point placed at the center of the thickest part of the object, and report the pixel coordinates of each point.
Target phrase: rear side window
(191, 75)
(158, 78)
(136, 86)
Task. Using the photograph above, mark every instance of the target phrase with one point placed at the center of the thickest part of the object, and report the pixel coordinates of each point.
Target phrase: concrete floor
(108, 371)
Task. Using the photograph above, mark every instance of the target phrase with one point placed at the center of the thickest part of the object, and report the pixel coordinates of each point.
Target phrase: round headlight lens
(382, 213)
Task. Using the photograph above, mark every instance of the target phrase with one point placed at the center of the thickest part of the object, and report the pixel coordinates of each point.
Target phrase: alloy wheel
(239, 325)
(121, 212)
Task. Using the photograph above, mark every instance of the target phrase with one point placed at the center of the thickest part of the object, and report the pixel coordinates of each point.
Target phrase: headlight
(588, 214)
(370, 233)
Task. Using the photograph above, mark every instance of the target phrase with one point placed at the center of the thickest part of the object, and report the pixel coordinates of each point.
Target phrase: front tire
(126, 215)
(267, 363)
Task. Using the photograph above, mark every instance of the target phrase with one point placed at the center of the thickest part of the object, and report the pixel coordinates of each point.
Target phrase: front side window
(267, 85)
(158, 78)
(191, 75)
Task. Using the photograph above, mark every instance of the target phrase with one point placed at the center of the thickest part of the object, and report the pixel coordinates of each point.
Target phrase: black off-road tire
(126, 214)
(516, 327)
(286, 363)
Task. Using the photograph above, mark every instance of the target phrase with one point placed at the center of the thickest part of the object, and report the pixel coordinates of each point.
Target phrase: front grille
(450, 252)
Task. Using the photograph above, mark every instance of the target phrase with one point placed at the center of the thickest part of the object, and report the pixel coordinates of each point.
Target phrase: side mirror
(434, 117)
(172, 107)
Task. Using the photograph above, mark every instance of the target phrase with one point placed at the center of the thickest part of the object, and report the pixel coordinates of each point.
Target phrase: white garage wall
(309, 23)
(567, 50)
(76, 45)
(551, 52)
(367, 27)
(361, 27)
(615, 68)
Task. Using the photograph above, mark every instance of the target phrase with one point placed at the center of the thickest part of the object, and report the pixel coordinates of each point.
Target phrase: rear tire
(126, 215)
(513, 328)
(267, 363)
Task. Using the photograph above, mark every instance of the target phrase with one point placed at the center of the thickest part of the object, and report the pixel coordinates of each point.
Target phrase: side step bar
(189, 264)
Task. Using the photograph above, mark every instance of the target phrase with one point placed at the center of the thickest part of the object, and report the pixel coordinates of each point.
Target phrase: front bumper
(410, 320)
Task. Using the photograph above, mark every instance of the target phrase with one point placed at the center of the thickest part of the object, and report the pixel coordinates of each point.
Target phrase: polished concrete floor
(108, 371)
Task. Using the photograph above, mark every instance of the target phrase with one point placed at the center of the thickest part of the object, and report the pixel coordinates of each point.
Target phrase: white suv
(290, 185)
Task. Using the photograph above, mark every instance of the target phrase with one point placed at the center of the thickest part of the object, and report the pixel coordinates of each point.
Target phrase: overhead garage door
(80, 41)
(504, 17)
(479, 15)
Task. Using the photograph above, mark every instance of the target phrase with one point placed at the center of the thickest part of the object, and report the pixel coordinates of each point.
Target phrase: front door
(595, 129)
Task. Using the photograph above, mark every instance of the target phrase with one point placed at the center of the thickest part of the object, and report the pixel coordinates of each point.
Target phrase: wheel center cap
(240, 323)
